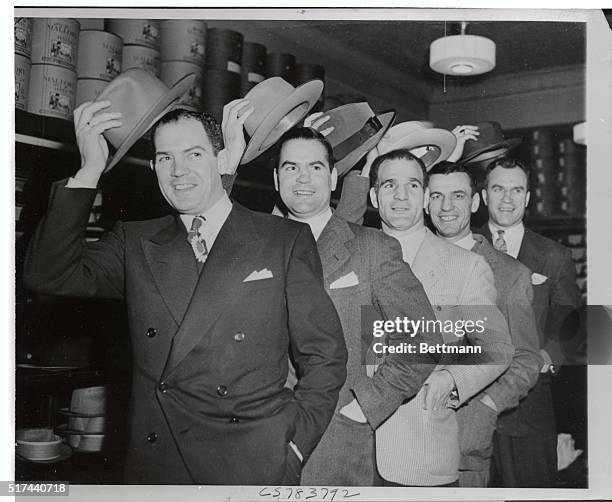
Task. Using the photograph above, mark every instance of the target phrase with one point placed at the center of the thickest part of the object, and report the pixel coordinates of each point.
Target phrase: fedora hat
(489, 145)
(414, 134)
(357, 129)
(87, 402)
(142, 98)
(278, 106)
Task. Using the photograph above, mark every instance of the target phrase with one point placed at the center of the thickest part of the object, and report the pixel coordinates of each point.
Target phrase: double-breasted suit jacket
(208, 401)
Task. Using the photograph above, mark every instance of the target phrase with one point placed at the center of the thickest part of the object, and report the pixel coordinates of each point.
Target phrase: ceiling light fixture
(462, 54)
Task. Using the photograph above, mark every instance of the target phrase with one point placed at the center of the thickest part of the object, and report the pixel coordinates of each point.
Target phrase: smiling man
(363, 271)
(419, 444)
(217, 297)
(453, 198)
(526, 440)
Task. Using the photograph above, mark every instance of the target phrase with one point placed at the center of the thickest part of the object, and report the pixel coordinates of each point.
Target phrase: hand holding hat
(463, 133)
(89, 124)
(235, 114)
(316, 120)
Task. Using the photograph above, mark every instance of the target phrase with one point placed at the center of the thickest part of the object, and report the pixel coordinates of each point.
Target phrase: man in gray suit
(362, 269)
(419, 444)
(453, 198)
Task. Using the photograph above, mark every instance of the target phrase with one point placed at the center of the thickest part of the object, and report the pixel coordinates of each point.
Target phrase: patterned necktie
(197, 240)
(500, 243)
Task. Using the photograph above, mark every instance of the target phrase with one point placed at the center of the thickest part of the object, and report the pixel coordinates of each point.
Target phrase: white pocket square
(258, 275)
(537, 279)
(346, 281)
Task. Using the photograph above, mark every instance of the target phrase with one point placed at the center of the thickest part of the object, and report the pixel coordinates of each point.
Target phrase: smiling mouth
(400, 209)
(303, 193)
(183, 186)
(448, 218)
(506, 209)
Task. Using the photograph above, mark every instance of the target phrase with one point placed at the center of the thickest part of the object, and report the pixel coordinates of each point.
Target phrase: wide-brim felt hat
(357, 129)
(415, 134)
(142, 99)
(489, 145)
(277, 107)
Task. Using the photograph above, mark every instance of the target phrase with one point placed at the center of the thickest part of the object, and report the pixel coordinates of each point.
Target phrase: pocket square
(258, 275)
(537, 279)
(346, 281)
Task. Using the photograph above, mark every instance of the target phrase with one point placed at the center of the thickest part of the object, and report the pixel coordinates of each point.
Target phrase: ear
(334, 179)
(527, 199)
(484, 197)
(151, 165)
(276, 180)
(373, 197)
(475, 202)
(426, 199)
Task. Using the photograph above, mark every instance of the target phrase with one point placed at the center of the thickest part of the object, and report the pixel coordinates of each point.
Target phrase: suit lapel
(229, 262)
(332, 248)
(428, 263)
(173, 265)
(529, 254)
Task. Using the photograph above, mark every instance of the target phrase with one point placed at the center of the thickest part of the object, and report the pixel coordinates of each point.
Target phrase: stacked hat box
(23, 62)
(253, 65)
(141, 42)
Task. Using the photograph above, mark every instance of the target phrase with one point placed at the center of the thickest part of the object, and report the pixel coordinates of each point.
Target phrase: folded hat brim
(508, 143)
(443, 139)
(276, 123)
(150, 117)
(64, 452)
(345, 164)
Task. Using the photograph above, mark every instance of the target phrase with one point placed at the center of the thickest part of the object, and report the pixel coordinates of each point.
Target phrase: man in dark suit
(453, 197)
(364, 273)
(211, 318)
(525, 453)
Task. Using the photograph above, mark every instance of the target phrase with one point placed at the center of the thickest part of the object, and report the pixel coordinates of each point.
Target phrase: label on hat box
(52, 91)
(55, 41)
(135, 56)
(255, 77)
(23, 36)
(99, 55)
(234, 67)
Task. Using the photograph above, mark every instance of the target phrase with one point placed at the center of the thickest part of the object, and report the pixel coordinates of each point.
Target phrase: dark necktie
(500, 243)
(195, 238)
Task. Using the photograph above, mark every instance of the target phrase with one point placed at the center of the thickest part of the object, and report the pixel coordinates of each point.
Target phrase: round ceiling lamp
(462, 55)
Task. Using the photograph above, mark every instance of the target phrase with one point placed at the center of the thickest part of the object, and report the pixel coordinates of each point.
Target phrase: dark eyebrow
(195, 147)
(285, 162)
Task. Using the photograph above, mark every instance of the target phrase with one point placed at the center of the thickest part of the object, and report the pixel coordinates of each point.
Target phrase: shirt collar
(316, 223)
(410, 241)
(512, 235)
(214, 216)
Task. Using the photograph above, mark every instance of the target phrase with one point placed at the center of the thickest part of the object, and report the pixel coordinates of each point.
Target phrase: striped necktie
(195, 238)
(500, 243)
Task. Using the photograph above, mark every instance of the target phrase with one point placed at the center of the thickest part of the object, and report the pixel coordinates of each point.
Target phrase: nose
(400, 192)
(447, 204)
(506, 197)
(304, 176)
(178, 167)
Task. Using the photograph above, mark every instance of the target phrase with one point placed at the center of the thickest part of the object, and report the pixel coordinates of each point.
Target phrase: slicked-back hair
(210, 124)
(305, 133)
(446, 167)
(400, 154)
(507, 163)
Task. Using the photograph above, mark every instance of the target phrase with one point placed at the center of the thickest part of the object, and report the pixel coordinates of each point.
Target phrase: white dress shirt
(214, 219)
(466, 242)
(316, 223)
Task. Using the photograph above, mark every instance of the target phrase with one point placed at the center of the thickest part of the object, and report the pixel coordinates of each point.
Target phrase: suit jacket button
(163, 387)
(151, 332)
(234, 420)
(152, 437)
(438, 308)
(239, 336)
(222, 391)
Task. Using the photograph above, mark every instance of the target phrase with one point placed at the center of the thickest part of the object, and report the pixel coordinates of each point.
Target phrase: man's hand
(316, 120)
(463, 133)
(438, 388)
(354, 412)
(235, 114)
(89, 124)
